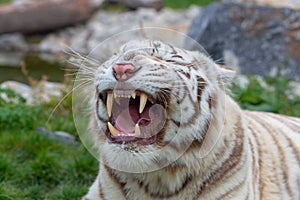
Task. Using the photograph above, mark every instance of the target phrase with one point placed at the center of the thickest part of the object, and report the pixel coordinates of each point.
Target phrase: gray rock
(44, 91)
(259, 40)
(52, 44)
(105, 24)
(13, 42)
(43, 16)
(276, 3)
(11, 59)
(58, 135)
(296, 86)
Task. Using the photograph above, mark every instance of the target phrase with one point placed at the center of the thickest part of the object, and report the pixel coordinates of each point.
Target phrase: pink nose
(121, 71)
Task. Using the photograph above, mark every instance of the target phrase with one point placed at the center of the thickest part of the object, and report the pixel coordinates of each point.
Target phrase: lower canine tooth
(143, 101)
(112, 129)
(137, 130)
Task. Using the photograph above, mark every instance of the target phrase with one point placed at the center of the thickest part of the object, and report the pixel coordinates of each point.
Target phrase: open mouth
(134, 116)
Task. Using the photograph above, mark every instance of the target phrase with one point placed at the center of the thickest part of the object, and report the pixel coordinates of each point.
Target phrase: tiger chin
(166, 129)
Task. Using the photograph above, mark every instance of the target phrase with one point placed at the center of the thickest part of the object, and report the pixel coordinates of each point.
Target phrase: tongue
(129, 117)
(151, 120)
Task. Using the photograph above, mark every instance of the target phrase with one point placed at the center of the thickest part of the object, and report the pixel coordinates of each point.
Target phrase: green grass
(4, 1)
(35, 167)
(181, 4)
(275, 95)
(175, 4)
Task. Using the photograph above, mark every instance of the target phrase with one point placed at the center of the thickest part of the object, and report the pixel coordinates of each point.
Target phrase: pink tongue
(127, 119)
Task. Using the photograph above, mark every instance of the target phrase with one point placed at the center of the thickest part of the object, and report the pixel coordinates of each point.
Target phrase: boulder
(61, 136)
(41, 16)
(276, 3)
(44, 91)
(252, 38)
(13, 42)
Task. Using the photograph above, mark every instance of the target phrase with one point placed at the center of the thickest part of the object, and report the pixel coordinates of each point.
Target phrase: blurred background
(41, 156)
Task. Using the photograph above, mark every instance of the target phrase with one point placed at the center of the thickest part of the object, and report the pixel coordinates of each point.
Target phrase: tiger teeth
(143, 101)
(133, 95)
(112, 129)
(137, 130)
(115, 132)
(109, 103)
(115, 97)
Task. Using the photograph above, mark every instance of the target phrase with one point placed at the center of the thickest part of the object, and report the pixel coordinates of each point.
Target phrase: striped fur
(257, 155)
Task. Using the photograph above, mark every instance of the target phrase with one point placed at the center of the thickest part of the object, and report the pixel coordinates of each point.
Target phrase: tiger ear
(225, 74)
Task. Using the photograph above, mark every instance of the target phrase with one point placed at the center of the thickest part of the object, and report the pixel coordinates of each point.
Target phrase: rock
(44, 91)
(296, 86)
(106, 24)
(134, 4)
(13, 42)
(20, 88)
(52, 44)
(11, 59)
(58, 135)
(20, 2)
(242, 81)
(41, 16)
(276, 3)
(259, 40)
(103, 24)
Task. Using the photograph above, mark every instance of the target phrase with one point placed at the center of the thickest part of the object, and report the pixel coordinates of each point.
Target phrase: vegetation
(271, 95)
(179, 4)
(33, 166)
(175, 4)
(5, 1)
(14, 113)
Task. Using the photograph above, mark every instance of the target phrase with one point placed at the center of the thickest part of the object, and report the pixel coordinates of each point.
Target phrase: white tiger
(249, 155)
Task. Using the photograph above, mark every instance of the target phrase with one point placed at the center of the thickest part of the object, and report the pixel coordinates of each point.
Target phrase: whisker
(62, 99)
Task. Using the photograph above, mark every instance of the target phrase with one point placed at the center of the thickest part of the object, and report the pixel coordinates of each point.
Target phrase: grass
(174, 4)
(180, 4)
(5, 1)
(270, 95)
(33, 166)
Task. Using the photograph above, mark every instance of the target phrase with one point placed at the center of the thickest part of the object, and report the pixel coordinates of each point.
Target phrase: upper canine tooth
(137, 130)
(133, 95)
(109, 103)
(143, 101)
(112, 129)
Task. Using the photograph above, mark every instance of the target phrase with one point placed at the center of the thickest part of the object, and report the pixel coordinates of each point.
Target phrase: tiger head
(151, 99)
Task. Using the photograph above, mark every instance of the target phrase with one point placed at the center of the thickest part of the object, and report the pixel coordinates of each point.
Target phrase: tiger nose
(122, 71)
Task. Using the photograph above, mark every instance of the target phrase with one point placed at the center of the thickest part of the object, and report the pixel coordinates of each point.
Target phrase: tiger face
(152, 98)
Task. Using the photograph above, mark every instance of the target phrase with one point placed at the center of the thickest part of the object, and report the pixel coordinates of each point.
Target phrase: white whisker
(62, 99)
